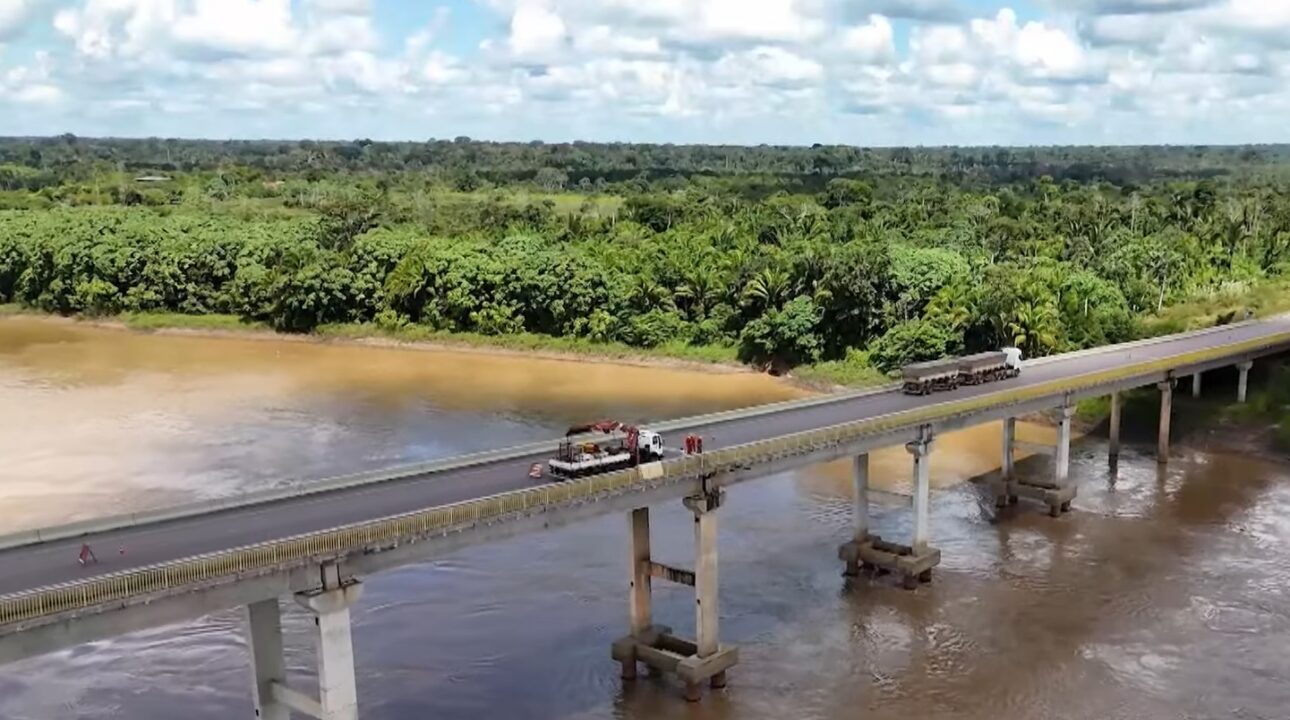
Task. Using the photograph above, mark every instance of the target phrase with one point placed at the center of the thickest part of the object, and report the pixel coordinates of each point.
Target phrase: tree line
(916, 266)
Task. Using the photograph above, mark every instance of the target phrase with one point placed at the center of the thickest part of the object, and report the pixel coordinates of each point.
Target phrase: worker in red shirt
(87, 555)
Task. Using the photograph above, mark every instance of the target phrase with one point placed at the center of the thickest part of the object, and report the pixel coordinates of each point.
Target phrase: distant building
(152, 179)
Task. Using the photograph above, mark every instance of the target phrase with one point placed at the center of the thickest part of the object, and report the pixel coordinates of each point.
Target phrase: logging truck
(936, 375)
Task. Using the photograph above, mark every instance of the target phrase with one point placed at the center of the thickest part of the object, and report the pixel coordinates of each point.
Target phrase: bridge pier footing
(704, 659)
(913, 562)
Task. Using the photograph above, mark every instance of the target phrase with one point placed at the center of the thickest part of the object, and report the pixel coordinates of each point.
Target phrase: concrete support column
(704, 659)
(1243, 383)
(1004, 495)
(1009, 448)
(1114, 450)
(639, 598)
(263, 623)
(1166, 411)
(921, 449)
(337, 686)
(707, 646)
(860, 508)
(1062, 462)
(1195, 385)
(705, 577)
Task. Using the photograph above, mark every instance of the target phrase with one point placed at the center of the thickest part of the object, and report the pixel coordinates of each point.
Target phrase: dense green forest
(786, 256)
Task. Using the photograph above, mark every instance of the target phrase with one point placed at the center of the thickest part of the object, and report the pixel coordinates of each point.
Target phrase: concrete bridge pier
(1195, 385)
(337, 688)
(1166, 410)
(913, 562)
(1056, 493)
(697, 661)
(1243, 382)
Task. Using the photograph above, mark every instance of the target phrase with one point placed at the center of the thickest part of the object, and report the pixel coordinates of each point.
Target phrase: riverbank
(825, 377)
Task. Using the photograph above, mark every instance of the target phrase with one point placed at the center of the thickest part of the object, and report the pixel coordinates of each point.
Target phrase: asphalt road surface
(55, 562)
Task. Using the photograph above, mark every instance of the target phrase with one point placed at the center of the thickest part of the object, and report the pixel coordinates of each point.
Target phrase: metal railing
(388, 532)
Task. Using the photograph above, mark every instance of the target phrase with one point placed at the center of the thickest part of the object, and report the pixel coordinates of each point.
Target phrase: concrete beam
(35, 638)
(1243, 381)
(297, 701)
(671, 574)
(1035, 448)
(263, 624)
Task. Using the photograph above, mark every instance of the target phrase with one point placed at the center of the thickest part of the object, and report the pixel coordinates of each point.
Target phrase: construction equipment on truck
(935, 375)
(622, 447)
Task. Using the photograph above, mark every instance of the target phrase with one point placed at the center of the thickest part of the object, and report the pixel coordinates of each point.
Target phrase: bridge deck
(53, 562)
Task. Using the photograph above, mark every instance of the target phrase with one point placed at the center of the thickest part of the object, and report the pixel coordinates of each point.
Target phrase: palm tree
(646, 293)
(1034, 327)
(699, 289)
(767, 289)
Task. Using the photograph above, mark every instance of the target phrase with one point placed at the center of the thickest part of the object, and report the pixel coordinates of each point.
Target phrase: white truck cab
(1012, 357)
(651, 443)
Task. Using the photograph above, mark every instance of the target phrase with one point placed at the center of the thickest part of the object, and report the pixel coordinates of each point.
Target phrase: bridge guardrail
(328, 544)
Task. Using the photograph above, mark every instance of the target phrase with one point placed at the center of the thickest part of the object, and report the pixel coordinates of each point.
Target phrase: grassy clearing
(714, 354)
(1264, 298)
(12, 309)
(853, 371)
(159, 321)
(566, 203)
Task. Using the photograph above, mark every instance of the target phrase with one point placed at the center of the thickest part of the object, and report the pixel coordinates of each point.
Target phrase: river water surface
(1164, 595)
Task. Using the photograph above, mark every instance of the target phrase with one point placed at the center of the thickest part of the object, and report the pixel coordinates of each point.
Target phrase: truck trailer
(935, 375)
(924, 378)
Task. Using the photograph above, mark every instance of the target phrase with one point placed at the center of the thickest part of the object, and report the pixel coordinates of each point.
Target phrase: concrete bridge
(316, 543)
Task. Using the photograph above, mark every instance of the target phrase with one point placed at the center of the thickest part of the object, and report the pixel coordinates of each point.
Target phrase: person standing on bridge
(87, 555)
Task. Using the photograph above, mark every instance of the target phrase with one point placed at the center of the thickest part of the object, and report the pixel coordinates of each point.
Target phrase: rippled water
(1163, 596)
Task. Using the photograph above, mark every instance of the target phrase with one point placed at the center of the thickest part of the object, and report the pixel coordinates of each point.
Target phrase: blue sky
(866, 72)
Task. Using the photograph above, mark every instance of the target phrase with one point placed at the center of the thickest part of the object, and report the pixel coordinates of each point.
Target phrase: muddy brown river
(1164, 595)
